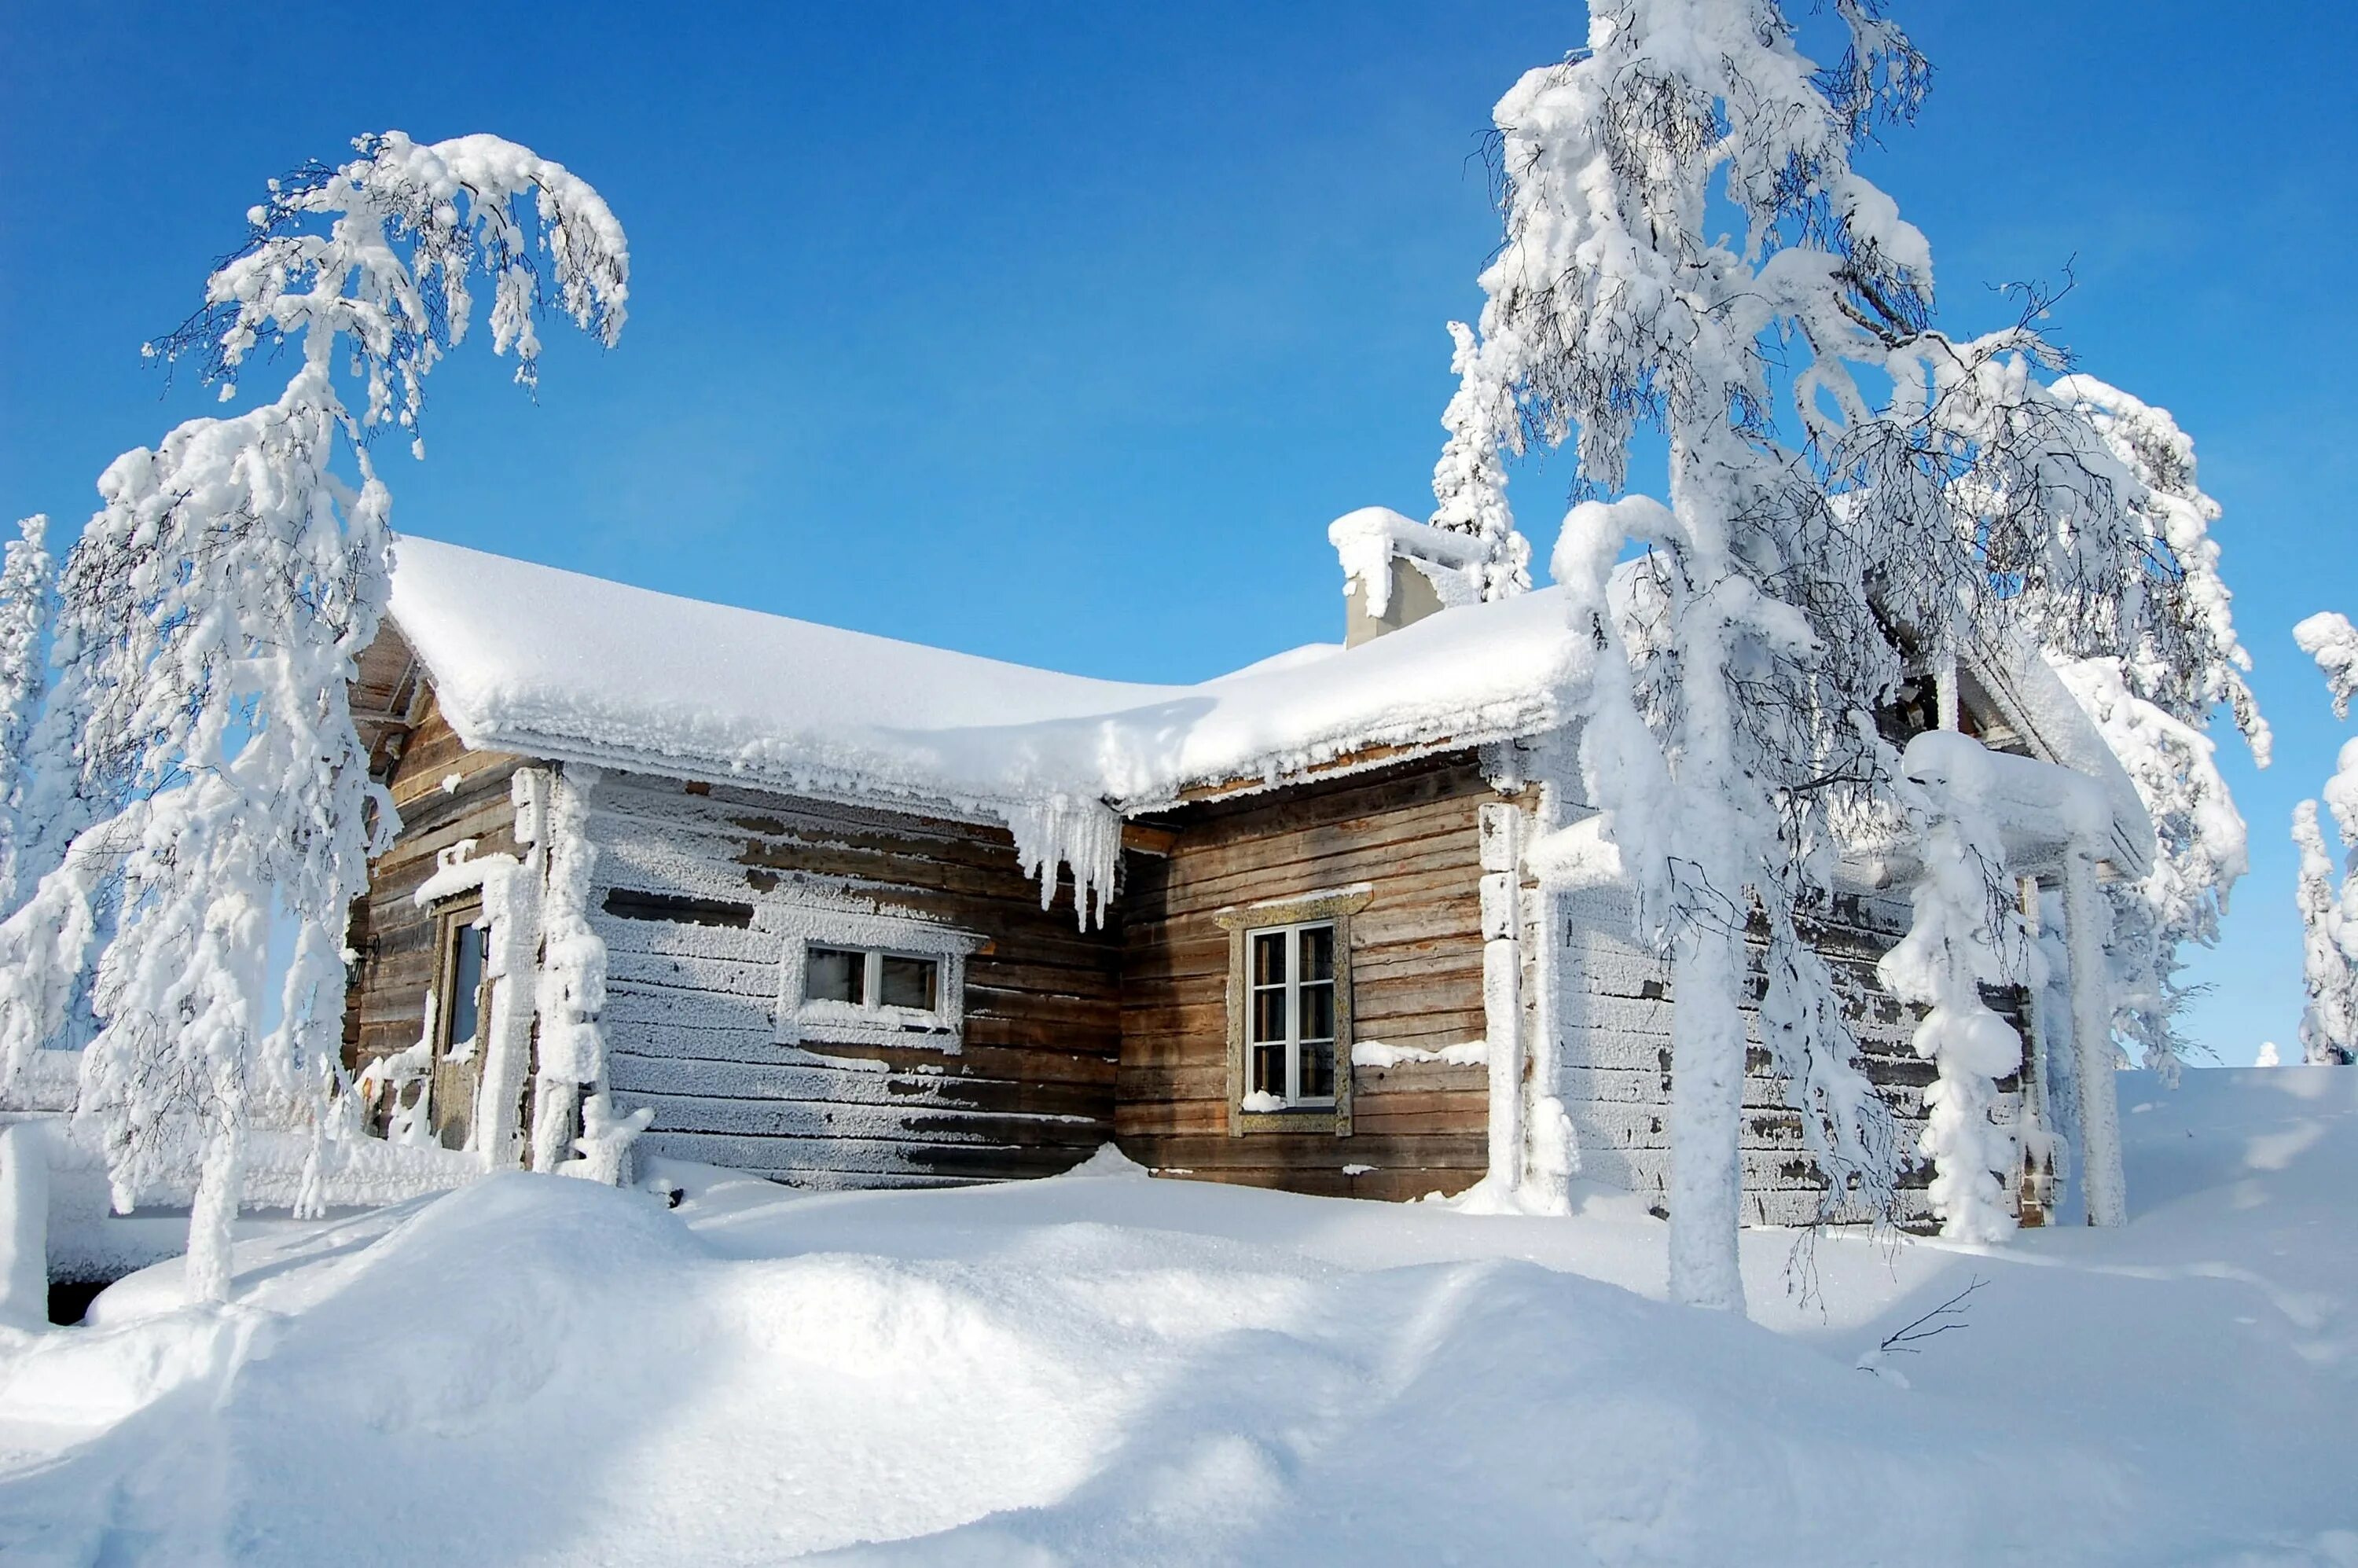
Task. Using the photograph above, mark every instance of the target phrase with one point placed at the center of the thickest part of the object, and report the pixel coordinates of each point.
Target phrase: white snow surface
(554, 663)
(1106, 1367)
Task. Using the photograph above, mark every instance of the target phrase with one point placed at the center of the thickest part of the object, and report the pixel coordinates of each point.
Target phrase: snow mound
(1127, 1371)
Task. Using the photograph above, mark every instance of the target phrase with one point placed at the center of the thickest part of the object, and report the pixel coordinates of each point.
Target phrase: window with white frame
(1290, 1012)
(1289, 1038)
(856, 978)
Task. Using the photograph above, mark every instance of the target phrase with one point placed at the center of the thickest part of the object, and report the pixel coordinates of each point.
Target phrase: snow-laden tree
(204, 754)
(2153, 705)
(1850, 492)
(1469, 482)
(28, 593)
(2328, 893)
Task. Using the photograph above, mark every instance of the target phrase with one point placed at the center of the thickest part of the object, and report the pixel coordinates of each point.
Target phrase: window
(856, 978)
(1289, 1013)
(852, 976)
(1290, 1057)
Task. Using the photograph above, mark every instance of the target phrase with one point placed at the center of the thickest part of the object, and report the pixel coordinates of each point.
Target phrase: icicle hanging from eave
(1062, 830)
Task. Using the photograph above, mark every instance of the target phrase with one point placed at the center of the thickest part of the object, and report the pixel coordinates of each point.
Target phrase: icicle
(1062, 830)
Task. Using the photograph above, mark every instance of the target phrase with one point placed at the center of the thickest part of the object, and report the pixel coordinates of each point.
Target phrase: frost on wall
(573, 979)
(1069, 830)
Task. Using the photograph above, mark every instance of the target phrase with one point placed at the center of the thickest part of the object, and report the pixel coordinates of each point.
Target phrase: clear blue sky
(1059, 334)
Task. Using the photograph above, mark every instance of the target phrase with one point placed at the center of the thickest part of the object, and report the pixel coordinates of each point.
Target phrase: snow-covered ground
(1108, 1368)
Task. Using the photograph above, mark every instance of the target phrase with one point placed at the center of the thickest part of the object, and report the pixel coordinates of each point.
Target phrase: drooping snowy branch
(411, 226)
(211, 615)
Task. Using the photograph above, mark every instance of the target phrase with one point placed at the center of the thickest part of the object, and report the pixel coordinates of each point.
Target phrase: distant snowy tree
(1848, 490)
(213, 611)
(27, 597)
(2153, 705)
(2327, 891)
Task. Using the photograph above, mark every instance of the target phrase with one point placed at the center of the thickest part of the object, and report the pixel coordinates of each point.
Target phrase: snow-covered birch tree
(1848, 492)
(212, 614)
(2327, 891)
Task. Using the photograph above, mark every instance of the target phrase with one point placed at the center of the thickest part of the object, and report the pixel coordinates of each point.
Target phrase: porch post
(1502, 988)
(2092, 1033)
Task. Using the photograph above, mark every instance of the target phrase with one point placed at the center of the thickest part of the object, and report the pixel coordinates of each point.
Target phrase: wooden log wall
(1408, 833)
(1613, 1016)
(690, 1020)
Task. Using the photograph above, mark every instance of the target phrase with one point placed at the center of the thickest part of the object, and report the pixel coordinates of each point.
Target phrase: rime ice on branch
(211, 613)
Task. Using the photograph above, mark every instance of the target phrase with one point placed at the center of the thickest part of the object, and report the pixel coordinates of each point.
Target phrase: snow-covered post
(572, 986)
(2102, 1178)
(1501, 828)
(23, 1226)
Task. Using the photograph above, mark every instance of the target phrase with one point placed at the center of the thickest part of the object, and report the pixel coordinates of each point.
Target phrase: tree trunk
(1706, 1106)
(220, 1181)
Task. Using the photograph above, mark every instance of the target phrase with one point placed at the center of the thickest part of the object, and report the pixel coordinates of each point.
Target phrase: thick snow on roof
(532, 659)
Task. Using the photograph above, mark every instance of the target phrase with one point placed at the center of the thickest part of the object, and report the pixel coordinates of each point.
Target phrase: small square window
(835, 974)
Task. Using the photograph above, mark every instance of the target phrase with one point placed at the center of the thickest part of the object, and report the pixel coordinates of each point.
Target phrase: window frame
(1289, 987)
(1332, 909)
(804, 1021)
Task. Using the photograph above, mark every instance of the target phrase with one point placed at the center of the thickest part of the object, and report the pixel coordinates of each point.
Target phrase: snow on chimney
(1445, 570)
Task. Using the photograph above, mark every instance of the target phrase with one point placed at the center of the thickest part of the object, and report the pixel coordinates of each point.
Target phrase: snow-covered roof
(549, 663)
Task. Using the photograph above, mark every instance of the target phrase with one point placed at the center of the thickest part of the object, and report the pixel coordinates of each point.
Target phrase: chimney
(1397, 570)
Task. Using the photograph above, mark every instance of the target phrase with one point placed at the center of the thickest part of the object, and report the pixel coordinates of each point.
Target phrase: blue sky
(1057, 333)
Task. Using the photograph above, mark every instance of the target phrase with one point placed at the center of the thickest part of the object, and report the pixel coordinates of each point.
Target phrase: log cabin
(846, 912)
